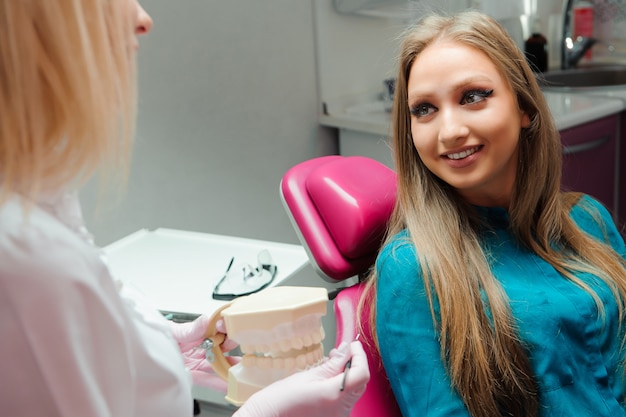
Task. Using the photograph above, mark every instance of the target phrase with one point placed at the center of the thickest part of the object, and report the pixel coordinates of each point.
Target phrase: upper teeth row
(463, 154)
(300, 361)
(303, 331)
(253, 342)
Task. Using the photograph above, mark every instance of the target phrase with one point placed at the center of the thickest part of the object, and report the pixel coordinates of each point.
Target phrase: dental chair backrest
(339, 207)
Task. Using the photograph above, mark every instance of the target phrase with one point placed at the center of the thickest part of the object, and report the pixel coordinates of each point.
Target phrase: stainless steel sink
(602, 77)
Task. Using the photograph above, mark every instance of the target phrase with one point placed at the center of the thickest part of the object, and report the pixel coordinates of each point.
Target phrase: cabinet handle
(581, 147)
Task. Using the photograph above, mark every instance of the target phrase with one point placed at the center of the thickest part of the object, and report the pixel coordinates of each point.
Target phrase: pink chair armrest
(378, 399)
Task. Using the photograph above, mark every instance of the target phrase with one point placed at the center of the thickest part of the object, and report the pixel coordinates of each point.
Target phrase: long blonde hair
(67, 92)
(487, 362)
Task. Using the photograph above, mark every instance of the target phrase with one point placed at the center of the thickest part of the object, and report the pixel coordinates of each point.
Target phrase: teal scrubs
(575, 355)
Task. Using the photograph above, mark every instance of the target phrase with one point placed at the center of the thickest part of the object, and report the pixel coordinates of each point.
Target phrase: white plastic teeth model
(279, 331)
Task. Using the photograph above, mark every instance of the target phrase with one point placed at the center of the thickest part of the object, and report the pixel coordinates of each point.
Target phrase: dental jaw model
(279, 331)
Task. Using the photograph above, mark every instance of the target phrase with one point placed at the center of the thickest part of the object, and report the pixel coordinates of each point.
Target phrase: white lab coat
(73, 343)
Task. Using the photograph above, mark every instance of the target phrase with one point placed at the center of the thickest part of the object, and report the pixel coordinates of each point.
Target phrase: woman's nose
(452, 127)
(144, 21)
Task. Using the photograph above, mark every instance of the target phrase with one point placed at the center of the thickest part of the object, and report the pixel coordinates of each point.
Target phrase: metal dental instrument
(345, 374)
(347, 368)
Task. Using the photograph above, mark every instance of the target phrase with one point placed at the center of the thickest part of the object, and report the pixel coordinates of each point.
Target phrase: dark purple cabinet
(590, 161)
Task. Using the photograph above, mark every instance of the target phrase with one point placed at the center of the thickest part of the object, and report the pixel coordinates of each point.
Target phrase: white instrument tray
(177, 270)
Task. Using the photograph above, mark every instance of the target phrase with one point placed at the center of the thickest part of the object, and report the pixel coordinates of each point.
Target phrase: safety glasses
(244, 279)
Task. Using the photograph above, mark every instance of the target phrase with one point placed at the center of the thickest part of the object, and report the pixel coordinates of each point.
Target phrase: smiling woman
(496, 293)
(463, 121)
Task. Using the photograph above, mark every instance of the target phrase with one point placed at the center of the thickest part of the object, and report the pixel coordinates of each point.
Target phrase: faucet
(572, 50)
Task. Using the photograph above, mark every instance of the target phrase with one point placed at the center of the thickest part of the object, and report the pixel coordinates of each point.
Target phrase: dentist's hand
(315, 392)
(189, 337)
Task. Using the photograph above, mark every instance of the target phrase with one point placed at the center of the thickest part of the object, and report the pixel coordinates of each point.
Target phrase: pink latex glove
(316, 391)
(189, 337)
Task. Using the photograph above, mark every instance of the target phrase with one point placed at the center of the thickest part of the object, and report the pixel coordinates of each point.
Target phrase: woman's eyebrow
(417, 94)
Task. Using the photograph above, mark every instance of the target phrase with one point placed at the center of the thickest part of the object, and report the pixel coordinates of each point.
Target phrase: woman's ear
(525, 120)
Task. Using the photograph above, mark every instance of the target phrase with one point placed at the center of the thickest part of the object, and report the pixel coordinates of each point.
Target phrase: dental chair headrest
(339, 207)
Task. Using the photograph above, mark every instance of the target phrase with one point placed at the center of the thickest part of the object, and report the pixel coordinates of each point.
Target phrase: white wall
(228, 102)
(355, 53)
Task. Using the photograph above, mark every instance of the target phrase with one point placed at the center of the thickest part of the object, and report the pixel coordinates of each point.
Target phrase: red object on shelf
(583, 22)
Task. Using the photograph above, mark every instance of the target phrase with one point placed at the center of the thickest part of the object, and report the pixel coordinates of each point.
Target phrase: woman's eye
(475, 96)
(422, 110)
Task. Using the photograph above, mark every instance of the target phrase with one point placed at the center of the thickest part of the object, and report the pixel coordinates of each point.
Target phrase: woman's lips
(462, 154)
(463, 158)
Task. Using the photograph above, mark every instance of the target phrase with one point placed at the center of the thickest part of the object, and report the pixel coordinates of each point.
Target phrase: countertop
(569, 109)
(178, 269)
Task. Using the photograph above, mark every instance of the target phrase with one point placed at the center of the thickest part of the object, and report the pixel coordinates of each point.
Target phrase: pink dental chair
(340, 207)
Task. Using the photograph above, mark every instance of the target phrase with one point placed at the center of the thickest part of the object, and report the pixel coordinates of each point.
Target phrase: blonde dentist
(74, 342)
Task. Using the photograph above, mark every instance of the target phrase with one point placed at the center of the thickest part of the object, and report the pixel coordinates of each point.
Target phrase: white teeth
(264, 363)
(463, 154)
(301, 361)
(279, 363)
(279, 332)
(248, 360)
(297, 343)
(290, 363)
(296, 360)
(287, 346)
(319, 336)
